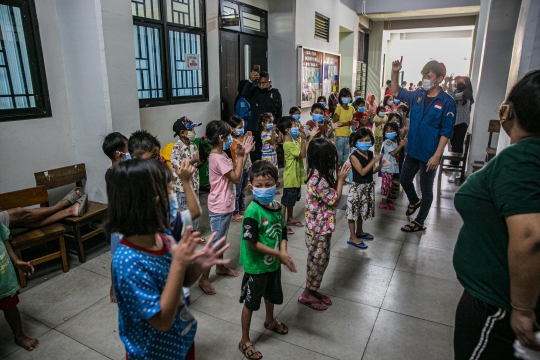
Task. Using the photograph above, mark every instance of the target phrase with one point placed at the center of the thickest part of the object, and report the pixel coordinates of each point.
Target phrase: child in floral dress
(323, 195)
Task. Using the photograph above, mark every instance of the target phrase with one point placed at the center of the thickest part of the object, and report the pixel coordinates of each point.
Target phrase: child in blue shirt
(149, 266)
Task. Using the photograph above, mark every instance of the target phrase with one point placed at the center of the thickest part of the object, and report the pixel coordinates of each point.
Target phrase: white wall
(30, 146)
(383, 6)
(377, 48)
(348, 59)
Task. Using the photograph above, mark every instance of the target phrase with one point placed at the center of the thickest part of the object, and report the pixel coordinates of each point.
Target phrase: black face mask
(460, 86)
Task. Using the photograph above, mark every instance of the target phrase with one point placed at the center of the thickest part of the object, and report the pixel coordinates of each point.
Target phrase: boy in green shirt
(263, 248)
(9, 290)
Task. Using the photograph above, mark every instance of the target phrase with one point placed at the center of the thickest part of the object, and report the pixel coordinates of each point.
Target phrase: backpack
(242, 108)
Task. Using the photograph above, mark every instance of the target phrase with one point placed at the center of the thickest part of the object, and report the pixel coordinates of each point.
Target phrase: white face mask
(381, 114)
(192, 135)
(428, 84)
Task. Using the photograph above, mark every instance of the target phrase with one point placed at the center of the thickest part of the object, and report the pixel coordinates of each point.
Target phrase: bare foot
(226, 271)
(207, 287)
(74, 209)
(308, 297)
(111, 294)
(325, 299)
(26, 343)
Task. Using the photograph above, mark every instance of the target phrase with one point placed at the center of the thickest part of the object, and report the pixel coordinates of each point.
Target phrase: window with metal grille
(170, 51)
(322, 27)
(23, 86)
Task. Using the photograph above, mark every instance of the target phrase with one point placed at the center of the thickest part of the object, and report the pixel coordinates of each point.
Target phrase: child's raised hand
(385, 162)
(184, 170)
(336, 125)
(209, 255)
(248, 134)
(286, 259)
(184, 252)
(344, 171)
(248, 145)
(377, 157)
(25, 267)
(314, 131)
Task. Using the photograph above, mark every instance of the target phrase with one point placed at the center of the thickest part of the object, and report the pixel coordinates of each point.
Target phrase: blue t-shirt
(427, 127)
(139, 277)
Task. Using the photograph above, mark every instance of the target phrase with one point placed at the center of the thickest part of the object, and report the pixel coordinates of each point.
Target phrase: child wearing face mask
(343, 117)
(322, 100)
(392, 147)
(224, 176)
(319, 121)
(268, 138)
(294, 176)
(388, 103)
(361, 199)
(378, 123)
(237, 125)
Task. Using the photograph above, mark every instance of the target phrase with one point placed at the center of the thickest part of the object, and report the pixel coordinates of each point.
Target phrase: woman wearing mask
(463, 95)
(497, 254)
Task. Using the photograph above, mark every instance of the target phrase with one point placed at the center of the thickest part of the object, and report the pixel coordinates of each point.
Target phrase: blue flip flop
(366, 236)
(359, 246)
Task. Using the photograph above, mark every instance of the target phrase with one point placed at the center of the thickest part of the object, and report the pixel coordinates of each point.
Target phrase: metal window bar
(148, 62)
(184, 12)
(146, 9)
(184, 82)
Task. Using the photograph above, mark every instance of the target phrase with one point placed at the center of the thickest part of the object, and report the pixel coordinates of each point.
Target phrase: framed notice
(193, 61)
(319, 74)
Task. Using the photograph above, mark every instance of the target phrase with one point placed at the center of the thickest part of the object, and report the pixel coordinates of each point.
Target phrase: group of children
(153, 212)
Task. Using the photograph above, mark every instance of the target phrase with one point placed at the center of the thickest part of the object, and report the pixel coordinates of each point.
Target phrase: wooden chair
(493, 127)
(461, 167)
(80, 226)
(34, 237)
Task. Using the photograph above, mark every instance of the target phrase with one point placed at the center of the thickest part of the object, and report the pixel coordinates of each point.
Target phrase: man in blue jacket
(263, 99)
(433, 114)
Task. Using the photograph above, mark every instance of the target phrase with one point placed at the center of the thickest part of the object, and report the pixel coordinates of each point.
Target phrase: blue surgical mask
(363, 146)
(396, 101)
(269, 126)
(227, 145)
(296, 117)
(361, 109)
(318, 117)
(173, 207)
(264, 195)
(390, 136)
(128, 156)
(346, 100)
(381, 114)
(323, 103)
(389, 103)
(294, 132)
(239, 132)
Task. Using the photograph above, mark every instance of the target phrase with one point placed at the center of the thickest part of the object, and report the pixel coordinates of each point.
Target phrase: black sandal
(412, 208)
(413, 227)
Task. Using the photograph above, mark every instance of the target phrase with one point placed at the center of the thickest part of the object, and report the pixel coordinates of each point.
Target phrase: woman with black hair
(463, 95)
(497, 254)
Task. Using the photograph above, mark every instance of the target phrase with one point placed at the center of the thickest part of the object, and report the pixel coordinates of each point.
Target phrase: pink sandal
(387, 207)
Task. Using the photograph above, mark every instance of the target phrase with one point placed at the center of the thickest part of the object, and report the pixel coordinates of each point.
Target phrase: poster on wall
(331, 74)
(193, 61)
(311, 82)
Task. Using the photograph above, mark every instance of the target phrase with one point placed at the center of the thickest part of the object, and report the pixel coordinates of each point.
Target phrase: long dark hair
(214, 130)
(322, 156)
(138, 197)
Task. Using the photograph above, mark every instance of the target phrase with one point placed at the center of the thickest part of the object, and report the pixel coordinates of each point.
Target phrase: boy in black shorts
(263, 248)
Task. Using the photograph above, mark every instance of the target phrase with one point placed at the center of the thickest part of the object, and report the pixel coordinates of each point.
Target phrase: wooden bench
(34, 237)
(79, 226)
(494, 127)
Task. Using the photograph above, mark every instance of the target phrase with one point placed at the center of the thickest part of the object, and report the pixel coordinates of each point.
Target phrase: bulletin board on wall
(318, 74)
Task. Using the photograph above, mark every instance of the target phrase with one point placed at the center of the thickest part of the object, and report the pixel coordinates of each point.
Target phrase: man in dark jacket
(262, 98)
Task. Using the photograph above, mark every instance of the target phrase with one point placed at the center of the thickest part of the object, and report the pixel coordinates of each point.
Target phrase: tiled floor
(395, 300)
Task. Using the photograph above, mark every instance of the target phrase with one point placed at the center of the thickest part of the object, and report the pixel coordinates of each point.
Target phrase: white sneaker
(458, 175)
(452, 178)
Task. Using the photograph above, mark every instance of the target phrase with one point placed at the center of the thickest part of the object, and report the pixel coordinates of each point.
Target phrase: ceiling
(425, 14)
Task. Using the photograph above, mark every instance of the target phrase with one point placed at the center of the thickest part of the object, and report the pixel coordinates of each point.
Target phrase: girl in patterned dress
(361, 199)
(268, 137)
(323, 195)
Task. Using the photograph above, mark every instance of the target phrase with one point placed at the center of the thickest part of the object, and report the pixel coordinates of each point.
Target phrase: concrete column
(496, 56)
(375, 59)
(526, 52)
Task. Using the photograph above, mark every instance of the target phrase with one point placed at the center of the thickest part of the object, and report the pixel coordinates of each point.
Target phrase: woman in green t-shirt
(497, 255)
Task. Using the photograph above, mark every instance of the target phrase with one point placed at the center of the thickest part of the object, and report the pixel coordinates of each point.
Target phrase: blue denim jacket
(426, 128)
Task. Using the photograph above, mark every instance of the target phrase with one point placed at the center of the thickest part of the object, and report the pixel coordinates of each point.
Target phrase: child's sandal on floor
(238, 218)
(277, 327)
(249, 354)
(386, 207)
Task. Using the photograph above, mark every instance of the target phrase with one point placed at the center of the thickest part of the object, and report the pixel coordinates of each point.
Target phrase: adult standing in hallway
(432, 118)
(497, 254)
(463, 95)
(263, 99)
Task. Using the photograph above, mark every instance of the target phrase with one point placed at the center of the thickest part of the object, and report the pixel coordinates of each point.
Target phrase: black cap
(184, 124)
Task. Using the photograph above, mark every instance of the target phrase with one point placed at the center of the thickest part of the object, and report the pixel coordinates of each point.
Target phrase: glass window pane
(186, 63)
(148, 62)
(146, 8)
(185, 12)
(16, 85)
(252, 22)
